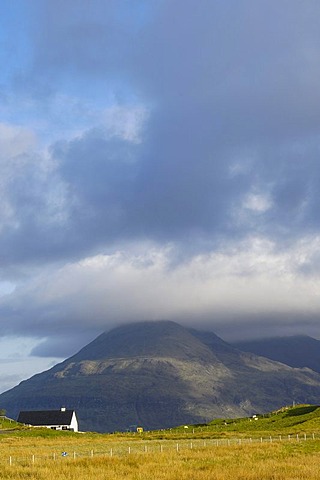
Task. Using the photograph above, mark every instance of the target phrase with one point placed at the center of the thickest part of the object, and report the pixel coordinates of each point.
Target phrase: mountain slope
(159, 374)
(297, 351)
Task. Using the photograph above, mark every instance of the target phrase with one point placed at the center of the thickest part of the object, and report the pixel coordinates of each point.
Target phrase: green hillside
(288, 420)
(7, 423)
(301, 419)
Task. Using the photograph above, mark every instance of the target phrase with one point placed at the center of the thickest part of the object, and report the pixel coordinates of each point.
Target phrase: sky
(159, 159)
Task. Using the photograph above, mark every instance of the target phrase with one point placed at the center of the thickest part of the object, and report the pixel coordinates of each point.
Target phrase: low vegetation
(220, 450)
(286, 421)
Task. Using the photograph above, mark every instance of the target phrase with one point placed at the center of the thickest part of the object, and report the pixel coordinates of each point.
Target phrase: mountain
(296, 351)
(158, 375)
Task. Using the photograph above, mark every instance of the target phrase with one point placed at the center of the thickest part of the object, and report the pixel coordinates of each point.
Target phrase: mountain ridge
(158, 375)
(297, 351)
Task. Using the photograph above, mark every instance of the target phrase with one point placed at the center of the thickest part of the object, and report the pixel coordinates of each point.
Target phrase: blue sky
(159, 160)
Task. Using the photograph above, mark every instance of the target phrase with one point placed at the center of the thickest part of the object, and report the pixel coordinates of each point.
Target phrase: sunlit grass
(279, 461)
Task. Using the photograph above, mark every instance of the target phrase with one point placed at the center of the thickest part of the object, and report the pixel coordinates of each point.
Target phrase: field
(279, 446)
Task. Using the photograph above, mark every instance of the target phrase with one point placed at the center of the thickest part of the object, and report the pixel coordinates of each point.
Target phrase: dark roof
(46, 417)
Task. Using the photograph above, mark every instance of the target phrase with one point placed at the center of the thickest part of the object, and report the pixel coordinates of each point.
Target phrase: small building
(62, 419)
(135, 428)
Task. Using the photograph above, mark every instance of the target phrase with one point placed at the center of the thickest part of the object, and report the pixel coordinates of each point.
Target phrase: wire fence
(152, 446)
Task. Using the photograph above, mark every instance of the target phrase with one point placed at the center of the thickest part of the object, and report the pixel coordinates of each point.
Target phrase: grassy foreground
(250, 462)
(221, 450)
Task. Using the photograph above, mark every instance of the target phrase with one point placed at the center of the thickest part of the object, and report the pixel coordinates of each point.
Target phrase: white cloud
(15, 141)
(6, 288)
(251, 278)
(125, 122)
(257, 202)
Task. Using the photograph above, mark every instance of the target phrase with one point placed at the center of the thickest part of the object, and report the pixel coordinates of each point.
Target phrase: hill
(297, 351)
(289, 420)
(158, 375)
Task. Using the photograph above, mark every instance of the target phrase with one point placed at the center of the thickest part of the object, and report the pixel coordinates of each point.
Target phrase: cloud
(217, 80)
(16, 363)
(160, 160)
(203, 124)
(250, 285)
(50, 198)
(15, 140)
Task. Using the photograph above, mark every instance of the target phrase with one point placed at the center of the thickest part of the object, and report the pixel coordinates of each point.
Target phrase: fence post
(10, 460)
(129, 450)
(110, 452)
(54, 456)
(33, 459)
(74, 455)
(91, 453)
(161, 448)
(145, 448)
(177, 447)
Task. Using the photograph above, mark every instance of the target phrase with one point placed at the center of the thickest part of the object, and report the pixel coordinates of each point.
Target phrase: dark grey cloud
(219, 79)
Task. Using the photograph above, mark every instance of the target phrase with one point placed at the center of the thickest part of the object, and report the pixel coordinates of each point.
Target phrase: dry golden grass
(274, 461)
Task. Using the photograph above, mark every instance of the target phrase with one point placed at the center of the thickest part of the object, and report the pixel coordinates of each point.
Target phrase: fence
(152, 446)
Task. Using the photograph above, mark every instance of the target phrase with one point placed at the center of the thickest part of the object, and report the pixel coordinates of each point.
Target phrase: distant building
(135, 428)
(62, 419)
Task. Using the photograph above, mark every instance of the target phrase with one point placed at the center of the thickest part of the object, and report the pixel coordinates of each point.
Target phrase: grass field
(279, 446)
(276, 461)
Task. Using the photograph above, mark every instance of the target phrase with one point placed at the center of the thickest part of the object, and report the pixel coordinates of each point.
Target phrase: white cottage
(62, 419)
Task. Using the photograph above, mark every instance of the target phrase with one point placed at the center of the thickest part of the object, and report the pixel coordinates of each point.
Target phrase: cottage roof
(46, 417)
